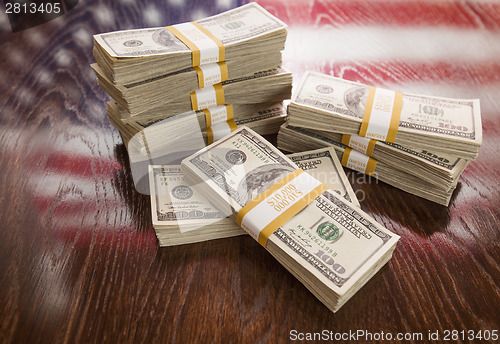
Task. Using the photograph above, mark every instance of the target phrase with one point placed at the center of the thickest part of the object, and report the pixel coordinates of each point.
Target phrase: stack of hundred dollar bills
(182, 215)
(434, 140)
(328, 243)
(221, 71)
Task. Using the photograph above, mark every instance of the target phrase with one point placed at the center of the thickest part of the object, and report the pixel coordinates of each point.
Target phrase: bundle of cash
(294, 139)
(160, 132)
(272, 85)
(182, 215)
(449, 126)
(440, 170)
(425, 141)
(132, 56)
(225, 69)
(146, 118)
(326, 242)
(134, 97)
(435, 167)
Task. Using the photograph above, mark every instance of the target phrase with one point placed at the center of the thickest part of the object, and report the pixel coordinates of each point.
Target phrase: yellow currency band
(219, 93)
(346, 140)
(370, 165)
(219, 97)
(210, 134)
(208, 115)
(282, 218)
(195, 52)
(201, 77)
(208, 122)
(223, 71)
(222, 49)
(395, 117)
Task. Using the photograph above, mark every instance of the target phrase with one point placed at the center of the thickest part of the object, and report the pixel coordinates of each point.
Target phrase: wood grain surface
(79, 261)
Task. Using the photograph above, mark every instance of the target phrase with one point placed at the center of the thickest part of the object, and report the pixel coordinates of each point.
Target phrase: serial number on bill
(32, 7)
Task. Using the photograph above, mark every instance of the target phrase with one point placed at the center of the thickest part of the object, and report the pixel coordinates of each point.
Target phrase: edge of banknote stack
(419, 144)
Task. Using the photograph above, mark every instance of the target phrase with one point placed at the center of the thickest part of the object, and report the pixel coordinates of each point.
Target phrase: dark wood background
(79, 261)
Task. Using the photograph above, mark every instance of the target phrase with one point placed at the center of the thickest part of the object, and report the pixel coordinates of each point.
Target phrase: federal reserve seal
(182, 192)
(132, 43)
(328, 231)
(324, 89)
(236, 157)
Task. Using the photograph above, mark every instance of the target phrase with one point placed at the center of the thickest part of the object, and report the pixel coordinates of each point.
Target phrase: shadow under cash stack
(420, 144)
(222, 71)
(326, 242)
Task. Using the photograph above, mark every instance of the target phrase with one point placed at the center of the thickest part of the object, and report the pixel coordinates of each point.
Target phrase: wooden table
(79, 261)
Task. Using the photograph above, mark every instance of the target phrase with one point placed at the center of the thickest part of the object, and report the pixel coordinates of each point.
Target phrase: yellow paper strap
(382, 115)
(222, 49)
(206, 97)
(200, 41)
(263, 215)
(218, 114)
(195, 52)
(211, 74)
(220, 130)
(361, 144)
(222, 119)
(358, 161)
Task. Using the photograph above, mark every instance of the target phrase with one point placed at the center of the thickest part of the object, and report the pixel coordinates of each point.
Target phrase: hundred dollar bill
(175, 203)
(180, 214)
(234, 26)
(452, 126)
(331, 246)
